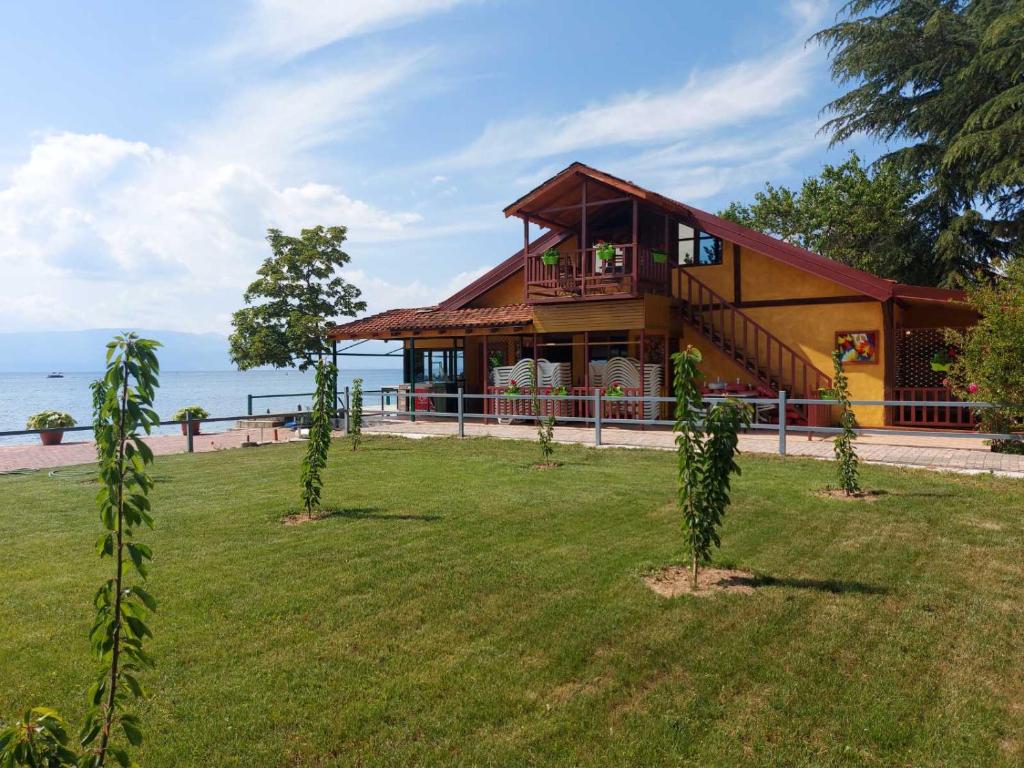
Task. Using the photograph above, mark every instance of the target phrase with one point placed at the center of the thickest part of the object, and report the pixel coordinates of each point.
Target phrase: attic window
(697, 248)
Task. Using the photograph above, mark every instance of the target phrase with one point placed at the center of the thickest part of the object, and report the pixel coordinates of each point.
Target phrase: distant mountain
(69, 351)
(84, 350)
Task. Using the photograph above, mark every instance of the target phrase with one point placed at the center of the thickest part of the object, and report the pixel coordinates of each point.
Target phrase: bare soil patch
(839, 493)
(301, 517)
(542, 465)
(674, 580)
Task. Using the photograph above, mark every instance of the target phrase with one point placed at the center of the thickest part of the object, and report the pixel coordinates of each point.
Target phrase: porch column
(526, 260)
(486, 378)
(636, 245)
(889, 351)
(583, 239)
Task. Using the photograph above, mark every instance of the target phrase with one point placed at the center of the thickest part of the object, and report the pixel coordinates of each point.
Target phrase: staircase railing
(774, 363)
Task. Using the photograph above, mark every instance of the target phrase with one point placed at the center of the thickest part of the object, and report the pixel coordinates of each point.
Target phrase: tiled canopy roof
(397, 321)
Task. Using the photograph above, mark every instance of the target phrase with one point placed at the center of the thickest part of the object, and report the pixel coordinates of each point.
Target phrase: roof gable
(564, 183)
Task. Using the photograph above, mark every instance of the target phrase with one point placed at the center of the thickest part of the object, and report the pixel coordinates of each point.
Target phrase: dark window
(698, 249)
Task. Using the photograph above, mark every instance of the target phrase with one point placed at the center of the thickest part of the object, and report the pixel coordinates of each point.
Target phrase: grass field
(464, 609)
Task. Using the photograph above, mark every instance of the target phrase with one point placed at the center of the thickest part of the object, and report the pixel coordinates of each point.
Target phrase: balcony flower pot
(190, 413)
(659, 257)
(51, 424)
(550, 257)
(605, 251)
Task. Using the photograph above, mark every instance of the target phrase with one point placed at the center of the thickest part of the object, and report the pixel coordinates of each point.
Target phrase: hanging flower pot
(659, 257)
(604, 251)
(550, 257)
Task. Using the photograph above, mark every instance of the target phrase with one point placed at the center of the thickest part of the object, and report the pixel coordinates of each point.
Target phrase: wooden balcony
(580, 275)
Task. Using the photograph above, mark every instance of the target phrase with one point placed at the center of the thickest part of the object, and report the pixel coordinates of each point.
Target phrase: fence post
(782, 422)
(347, 423)
(188, 433)
(597, 417)
(249, 409)
(462, 414)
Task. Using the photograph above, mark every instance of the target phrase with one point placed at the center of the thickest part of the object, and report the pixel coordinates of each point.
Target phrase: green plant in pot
(190, 413)
(659, 257)
(605, 251)
(942, 361)
(560, 391)
(615, 390)
(550, 257)
(52, 424)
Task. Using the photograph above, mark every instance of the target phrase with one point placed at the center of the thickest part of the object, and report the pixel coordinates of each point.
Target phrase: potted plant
(942, 360)
(190, 413)
(605, 251)
(659, 257)
(615, 390)
(52, 424)
(550, 257)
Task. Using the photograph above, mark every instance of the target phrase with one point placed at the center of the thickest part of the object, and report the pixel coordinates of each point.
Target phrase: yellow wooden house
(617, 277)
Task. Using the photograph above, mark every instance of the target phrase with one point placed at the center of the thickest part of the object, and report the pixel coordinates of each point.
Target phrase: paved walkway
(966, 455)
(37, 456)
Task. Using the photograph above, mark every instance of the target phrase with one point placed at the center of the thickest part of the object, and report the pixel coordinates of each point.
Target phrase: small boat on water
(55, 375)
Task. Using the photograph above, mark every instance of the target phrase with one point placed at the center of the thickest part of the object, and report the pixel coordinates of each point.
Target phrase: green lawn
(464, 609)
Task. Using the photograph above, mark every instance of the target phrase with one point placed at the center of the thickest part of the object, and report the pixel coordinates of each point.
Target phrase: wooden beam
(737, 277)
(583, 237)
(591, 204)
(889, 352)
(805, 302)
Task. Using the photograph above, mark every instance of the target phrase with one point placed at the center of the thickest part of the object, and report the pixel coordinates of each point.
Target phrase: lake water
(222, 393)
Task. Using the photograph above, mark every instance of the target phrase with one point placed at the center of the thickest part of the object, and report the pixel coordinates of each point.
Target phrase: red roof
(855, 279)
(398, 321)
(503, 271)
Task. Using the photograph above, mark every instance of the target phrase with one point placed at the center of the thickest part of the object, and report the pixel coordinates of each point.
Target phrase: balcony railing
(579, 274)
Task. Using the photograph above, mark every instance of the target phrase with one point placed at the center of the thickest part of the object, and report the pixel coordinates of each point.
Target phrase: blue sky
(145, 148)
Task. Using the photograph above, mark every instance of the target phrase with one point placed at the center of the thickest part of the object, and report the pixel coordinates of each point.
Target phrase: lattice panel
(914, 351)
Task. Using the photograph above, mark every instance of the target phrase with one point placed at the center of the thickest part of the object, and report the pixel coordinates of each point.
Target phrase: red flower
(972, 388)
(514, 383)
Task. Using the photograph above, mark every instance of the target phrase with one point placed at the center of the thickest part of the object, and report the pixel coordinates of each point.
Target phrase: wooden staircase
(772, 363)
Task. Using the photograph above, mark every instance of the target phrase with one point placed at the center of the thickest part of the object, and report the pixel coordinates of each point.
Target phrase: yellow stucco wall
(508, 291)
(809, 329)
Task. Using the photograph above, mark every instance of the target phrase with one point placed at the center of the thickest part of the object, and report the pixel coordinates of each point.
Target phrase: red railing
(915, 411)
(774, 363)
(580, 274)
(581, 405)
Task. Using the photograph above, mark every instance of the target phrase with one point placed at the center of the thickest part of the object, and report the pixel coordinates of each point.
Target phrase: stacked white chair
(626, 372)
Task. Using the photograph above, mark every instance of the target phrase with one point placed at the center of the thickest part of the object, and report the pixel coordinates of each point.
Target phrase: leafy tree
(866, 219)
(545, 424)
(355, 413)
(122, 408)
(846, 455)
(706, 440)
(990, 366)
(942, 80)
(291, 306)
(319, 437)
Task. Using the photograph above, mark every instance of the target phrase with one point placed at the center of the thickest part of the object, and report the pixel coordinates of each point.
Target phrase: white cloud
(96, 230)
(707, 102)
(694, 170)
(285, 29)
